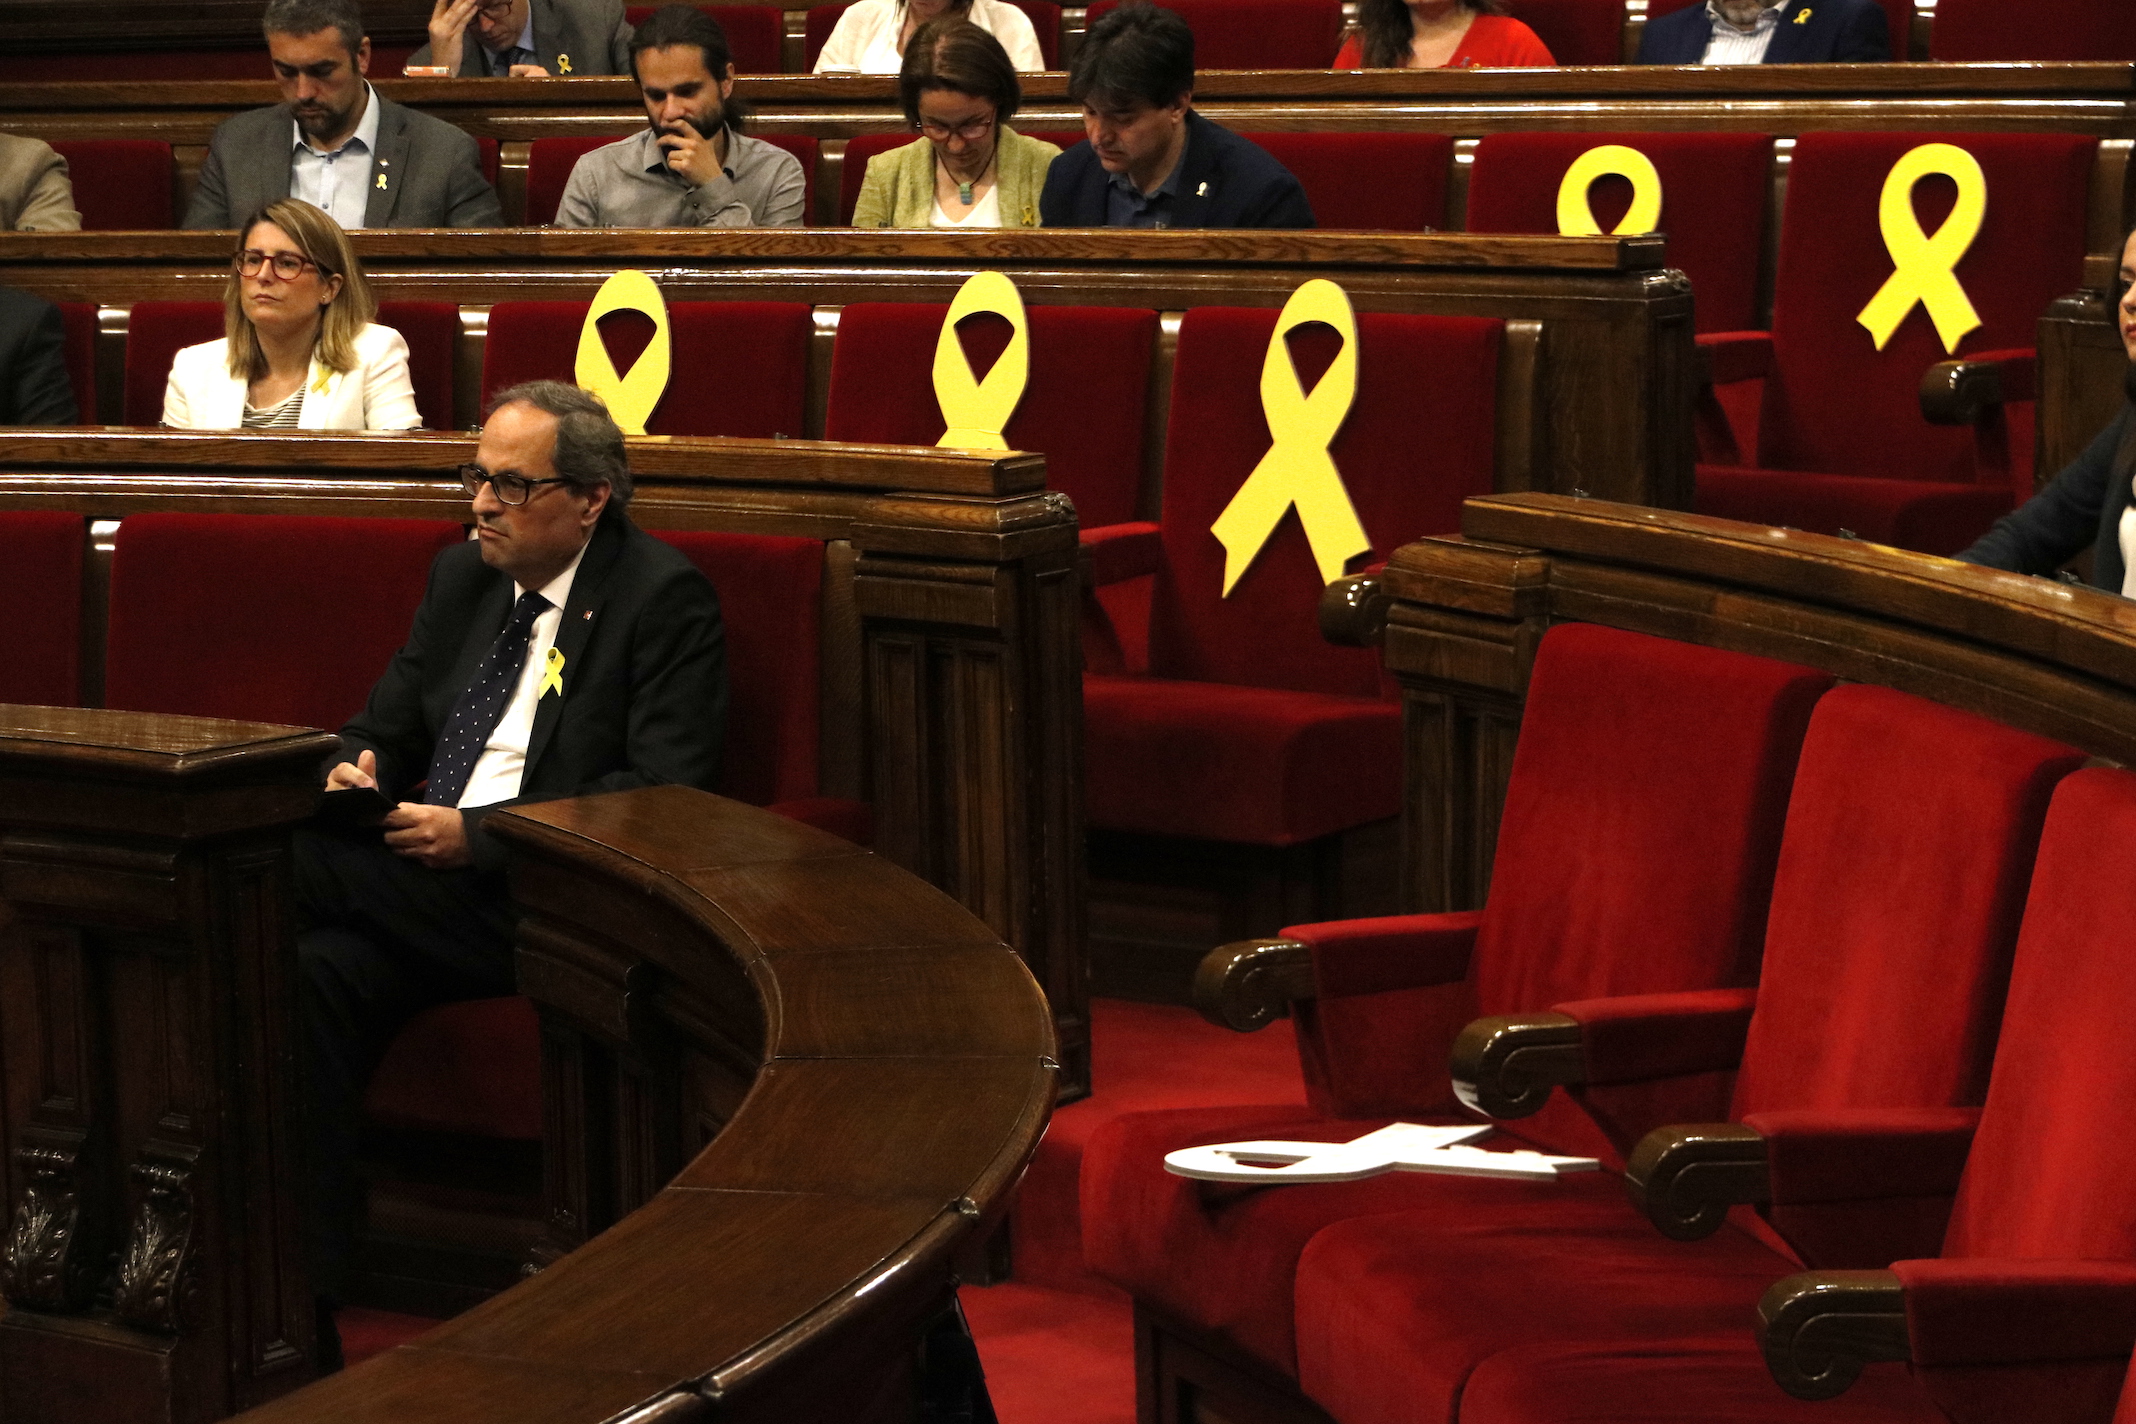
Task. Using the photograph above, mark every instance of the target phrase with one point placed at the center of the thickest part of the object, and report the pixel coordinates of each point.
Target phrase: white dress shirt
(2128, 552)
(503, 761)
(1730, 45)
(338, 183)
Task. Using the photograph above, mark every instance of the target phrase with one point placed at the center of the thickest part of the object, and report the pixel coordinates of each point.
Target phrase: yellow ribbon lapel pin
(1802, 17)
(563, 64)
(552, 675)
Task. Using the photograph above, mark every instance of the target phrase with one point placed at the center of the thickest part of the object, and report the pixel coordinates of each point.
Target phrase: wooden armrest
(1114, 553)
(1961, 392)
(1506, 1066)
(1249, 984)
(1353, 611)
(1725, 357)
(1819, 1328)
(1686, 1178)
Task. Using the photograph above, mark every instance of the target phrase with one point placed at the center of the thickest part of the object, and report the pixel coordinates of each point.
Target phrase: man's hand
(692, 156)
(435, 836)
(528, 71)
(363, 773)
(448, 28)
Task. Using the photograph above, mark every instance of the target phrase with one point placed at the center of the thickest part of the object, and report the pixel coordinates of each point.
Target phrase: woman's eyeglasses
(971, 131)
(287, 265)
(511, 489)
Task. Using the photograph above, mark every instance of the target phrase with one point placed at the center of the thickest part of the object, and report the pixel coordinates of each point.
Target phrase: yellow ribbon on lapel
(1925, 268)
(552, 675)
(1298, 470)
(1576, 216)
(977, 411)
(630, 398)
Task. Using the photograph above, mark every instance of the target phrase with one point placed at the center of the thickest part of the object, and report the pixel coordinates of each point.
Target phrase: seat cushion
(472, 1067)
(1931, 517)
(41, 581)
(1254, 765)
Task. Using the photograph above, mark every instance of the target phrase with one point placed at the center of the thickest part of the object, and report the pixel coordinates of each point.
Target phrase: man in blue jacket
(1150, 160)
(1762, 32)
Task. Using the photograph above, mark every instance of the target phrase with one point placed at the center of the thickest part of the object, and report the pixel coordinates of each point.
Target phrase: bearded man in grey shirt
(691, 167)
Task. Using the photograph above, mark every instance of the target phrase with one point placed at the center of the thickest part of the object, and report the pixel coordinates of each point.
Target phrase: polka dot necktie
(474, 716)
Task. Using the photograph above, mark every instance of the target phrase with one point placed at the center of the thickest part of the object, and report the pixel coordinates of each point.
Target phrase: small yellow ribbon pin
(1298, 470)
(630, 398)
(976, 411)
(1925, 268)
(1802, 17)
(552, 676)
(1576, 215)
(563, 64)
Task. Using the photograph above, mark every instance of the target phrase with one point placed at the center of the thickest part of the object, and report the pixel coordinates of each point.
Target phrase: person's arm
(42, 395)
(1352, 53)
(1866, 38)
(469, 199)
(1282, 203)
(848, 41)
(787, 201)
(2059, 522)
(1019, 37)
(877, 204)
(388, 393)
(619, 45)
(448, 34)
(1055, 200)
(48, 202)
(177, 409)
(1529, 51)
(209, 207)
(580, 206)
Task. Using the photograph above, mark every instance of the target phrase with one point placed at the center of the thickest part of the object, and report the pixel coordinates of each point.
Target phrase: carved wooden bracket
(1250, 984)
(1686, 1178)
(46, 1267)
(1507, 1066)
(1819, 1328)
(153, 1279)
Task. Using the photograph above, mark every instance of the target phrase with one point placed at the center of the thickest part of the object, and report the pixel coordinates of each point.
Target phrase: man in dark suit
(526, 39)
(1149, 160)
(335, 143)
(1762, 32)
(563, 653)
(33, 363)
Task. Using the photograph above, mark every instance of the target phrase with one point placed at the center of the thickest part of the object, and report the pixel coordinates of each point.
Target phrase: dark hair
(308, 17)
(950, 52)
(1136, 54)
(1385, 28)
(2125, 457)
(589, 444)
(673, 25)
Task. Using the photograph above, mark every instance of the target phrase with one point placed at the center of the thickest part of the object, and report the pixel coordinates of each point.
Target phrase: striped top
(1730, 45)
(276, 417)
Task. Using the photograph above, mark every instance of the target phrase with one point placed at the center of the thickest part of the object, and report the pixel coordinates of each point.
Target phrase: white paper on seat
(1399, 1147)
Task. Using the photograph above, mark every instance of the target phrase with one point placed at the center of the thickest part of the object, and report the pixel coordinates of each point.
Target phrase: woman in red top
(1440, 34)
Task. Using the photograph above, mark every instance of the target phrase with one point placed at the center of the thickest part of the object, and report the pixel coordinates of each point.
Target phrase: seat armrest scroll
(1818, 1329)
(1961, 392)
(1685, 1178)
(1506, 1065)
(1249, 984)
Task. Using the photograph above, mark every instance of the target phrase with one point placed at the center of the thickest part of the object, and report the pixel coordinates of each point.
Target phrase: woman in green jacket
(968, 168)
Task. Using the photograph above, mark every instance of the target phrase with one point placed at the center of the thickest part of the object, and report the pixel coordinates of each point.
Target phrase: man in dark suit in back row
(34, 389)
(335, 143)
(526, 39)
(563, 652)
(1765, 32)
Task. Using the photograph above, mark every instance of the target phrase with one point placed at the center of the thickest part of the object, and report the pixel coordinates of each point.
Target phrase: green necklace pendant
(964, 194)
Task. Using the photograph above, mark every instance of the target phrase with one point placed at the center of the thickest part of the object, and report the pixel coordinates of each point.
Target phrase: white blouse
(865, 40)
(984, 213)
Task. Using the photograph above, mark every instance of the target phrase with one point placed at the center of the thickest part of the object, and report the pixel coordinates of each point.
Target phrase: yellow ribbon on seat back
(632, 397)
(1576, 216)
(1924, 267)
(1298, 470)
(977, 411)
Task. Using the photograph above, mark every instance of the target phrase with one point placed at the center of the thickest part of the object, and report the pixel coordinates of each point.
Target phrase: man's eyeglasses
(287, 265)
(970, 131)
(510, 489)
(495, 9)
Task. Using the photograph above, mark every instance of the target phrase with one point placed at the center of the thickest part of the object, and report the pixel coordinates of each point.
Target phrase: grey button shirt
(628, 184)
(1128, 206)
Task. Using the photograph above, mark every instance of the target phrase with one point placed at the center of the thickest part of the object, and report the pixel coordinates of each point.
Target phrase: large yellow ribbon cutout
(552, 675)
(977, 411)
(1576, 216)
(630, 398)
(1925, 268)
(1298, 468)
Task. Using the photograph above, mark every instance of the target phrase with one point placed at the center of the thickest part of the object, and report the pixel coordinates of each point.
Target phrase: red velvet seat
(1910, 838)
(1842, 443)
(2053, 30)
(1715, 188)
(1575, 31)
(41, 586)
(1636, 853)
(740, 368)
(1256, 34)
(156, 330)
(120, 184)
(1083, 407)
(1393, 182)
(756, 34)
(1898, 13)
(1319, 735)
(549, 163)
(1045, 17)
(80, 321)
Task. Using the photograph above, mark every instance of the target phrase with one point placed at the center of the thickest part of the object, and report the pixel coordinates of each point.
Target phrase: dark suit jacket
(644, 676)
(1224, 181)
(593, 33)
(34, 389)
(1837, 31)
(2081, 506)
(433, 171)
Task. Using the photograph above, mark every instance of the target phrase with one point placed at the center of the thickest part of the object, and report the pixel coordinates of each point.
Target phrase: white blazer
(865, 39)
(376, 395)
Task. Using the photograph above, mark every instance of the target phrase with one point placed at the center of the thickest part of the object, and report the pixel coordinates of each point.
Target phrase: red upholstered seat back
(41, 587)
(2049, 1172)
(432, 331)
(1256, 34)
(272, 618)
(1374, 181)
(853, 171)
(1836, 404)
(1898, 14)
(740, 368)
(756, 34)
(1910, 839)
(2068, 30)
(1419, 439)
(79, 319)
(1714, 196)
(822, 19)
(1083, 408)
(120, 184)
(771, 609)
(1045, 17)
(1575, 31)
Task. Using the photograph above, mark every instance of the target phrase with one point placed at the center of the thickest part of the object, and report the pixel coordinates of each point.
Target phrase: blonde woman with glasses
(299, 350)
